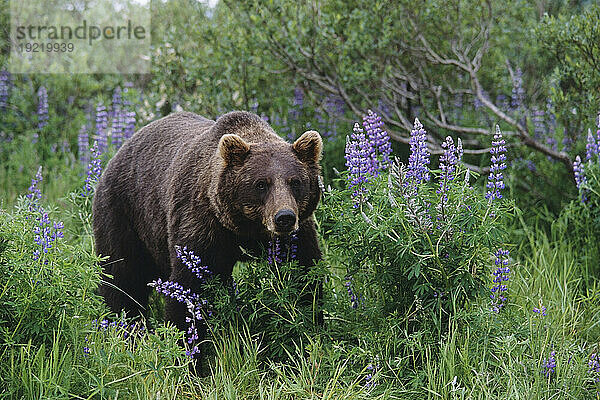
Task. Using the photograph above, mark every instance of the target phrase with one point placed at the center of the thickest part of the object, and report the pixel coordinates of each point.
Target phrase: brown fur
(189, 181)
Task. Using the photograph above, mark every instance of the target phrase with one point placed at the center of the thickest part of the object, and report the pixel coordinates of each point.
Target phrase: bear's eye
(295, 183)
(261, 185)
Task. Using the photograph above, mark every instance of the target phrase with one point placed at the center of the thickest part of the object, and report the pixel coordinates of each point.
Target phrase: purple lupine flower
(35, 194)
(518, 93)
(458, 105)
(46, 233)
(118, 124)
(418, 171)
(580, 179)
(501, 276)
(274, 251)
(282, 248)
(379, 139)
(293, 246)
(195, 306)
(83, 143)
(130, 119)
(551, 117)
(42, 112)
(104, 324)
(5, 86)
(448, 161)
(117, 102)
(351, 295)
(335, 106)
(502, 102)
(369, 382)
(193, 263)
(598, 135)
(175, 291)
(86, 349)
(384, 107)
(496, 179)
(591, 147)
(549, 365)
(101, 128)
(540, 311)
(359, 163)
(94, 170)
(594, 367)
(254, 106)
(478, 103)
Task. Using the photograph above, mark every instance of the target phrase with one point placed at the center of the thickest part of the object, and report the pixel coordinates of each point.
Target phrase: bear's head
(267, 185)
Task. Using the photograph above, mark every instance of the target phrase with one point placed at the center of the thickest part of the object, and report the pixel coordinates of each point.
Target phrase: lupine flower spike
(94, 170)
(35, 194)
(101, 128)
(580, 179)
(594, 367)
(549, 365)
(42, 110)
(496, 179)
(379, 140)
(448, 162)
(351, 295)
(282, 249)
(501, 276)
(5, 86)
(359, 164)
(591, 148)
(195, 305)
(419, 155)
(83, 143)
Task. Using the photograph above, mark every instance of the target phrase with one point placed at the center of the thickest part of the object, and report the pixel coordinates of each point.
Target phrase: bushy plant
(581, 218)
(278, 301)
(44, 277)
(416, 240)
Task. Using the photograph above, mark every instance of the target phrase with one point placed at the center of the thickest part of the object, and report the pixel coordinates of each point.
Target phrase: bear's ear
(308, 147)
(233, 149)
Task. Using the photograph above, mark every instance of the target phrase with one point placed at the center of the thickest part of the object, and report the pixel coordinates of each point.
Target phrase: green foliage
(37, 293)
(422, 326)
(403, 245)
(574, 43)
(276, 300)
(581, 219)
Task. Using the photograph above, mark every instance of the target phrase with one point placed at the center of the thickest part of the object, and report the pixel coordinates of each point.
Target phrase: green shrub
(41, 284)
(410, 246)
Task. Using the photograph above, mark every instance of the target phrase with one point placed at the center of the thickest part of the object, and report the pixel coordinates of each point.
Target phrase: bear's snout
(285, 221)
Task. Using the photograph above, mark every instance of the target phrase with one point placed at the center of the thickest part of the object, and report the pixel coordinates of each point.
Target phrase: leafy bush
(581, 218)
(44, 277)
(574, 43)
(410, 245)
(277, 301)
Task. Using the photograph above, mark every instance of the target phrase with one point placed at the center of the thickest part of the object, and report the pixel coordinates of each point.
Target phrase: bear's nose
(285, 220)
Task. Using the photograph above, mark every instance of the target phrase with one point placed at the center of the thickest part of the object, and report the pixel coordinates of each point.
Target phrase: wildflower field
(459, 218)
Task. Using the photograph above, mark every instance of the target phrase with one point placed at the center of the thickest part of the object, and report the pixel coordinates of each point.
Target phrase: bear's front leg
(308, 254)
(213, 262)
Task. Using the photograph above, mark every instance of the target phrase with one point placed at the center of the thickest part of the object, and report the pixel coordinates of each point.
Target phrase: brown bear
(216, 187)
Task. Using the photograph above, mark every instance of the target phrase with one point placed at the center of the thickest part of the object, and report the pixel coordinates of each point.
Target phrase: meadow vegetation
(459, 226)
